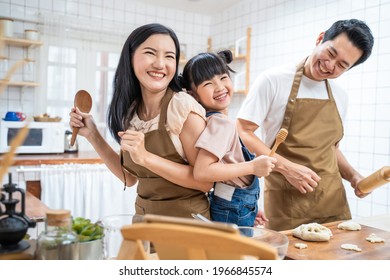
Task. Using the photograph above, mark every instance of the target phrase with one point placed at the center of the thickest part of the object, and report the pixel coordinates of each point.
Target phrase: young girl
(156, 125)
(222, 157)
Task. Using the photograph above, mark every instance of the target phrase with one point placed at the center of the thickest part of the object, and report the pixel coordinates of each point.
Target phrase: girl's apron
(157, 195)
(314, 129)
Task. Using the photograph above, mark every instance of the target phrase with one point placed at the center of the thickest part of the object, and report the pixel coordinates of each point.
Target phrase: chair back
(187, 239)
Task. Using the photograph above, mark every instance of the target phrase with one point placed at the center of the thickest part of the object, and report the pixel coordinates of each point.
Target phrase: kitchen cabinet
(241, 60)
(29, 46)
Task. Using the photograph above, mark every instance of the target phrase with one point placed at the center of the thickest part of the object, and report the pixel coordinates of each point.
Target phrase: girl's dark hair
(127, 91)
(357, 32)
(205, 66)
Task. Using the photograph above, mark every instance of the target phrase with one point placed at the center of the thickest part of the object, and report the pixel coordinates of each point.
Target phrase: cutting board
(331, 250)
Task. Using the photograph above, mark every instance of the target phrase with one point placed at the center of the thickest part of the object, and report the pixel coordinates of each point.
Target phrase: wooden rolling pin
(375, 180)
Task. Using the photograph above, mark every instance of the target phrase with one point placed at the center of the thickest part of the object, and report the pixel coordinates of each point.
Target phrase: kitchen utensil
(280, 137)
(83, 101)
(375, 180)
(200, 218)
(275, 239)
(14, 116)
(13, 224)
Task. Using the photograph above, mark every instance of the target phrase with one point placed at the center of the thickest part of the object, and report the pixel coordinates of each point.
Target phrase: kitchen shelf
(19, 84)
(21, 43)
(17, 42)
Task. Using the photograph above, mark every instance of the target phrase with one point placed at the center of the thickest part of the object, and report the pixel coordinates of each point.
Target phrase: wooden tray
(331, 250)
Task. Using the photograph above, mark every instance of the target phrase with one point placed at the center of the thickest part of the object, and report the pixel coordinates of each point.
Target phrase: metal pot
(68, 148)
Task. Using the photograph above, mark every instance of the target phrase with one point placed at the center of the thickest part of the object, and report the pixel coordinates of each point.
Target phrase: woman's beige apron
(315, 128)
(155, 194)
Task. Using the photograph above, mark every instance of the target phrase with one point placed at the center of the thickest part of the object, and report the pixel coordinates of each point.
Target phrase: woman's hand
(84, 121)
(134, 143)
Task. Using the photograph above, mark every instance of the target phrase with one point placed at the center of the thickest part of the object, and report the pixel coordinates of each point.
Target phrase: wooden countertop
(89, 157)
(330, 250)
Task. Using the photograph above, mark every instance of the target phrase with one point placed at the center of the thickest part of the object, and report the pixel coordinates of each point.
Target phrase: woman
(155, 124)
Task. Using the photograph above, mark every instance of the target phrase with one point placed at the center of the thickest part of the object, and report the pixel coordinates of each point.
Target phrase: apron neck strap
(164, 108)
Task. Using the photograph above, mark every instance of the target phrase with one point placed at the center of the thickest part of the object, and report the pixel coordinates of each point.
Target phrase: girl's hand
(263, 165)
(134, 143)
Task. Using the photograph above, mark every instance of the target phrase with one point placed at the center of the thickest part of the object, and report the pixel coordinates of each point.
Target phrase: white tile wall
(282, 30)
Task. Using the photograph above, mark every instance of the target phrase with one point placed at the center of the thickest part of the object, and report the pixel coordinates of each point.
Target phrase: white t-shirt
(266, 102)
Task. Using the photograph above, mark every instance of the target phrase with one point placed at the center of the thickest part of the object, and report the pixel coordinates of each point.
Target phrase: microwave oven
(42, 137)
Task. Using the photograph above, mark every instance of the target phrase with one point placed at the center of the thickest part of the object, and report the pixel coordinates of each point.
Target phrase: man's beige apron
(155, 194)
(314, 127)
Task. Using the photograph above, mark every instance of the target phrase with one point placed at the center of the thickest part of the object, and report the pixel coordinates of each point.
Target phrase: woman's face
(331, 59)
(154, 63)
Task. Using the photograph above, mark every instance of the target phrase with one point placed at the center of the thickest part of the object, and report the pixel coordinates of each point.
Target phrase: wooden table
(331, 250)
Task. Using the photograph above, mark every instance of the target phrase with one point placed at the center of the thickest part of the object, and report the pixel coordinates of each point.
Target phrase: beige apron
(315, 128)
(155, 194)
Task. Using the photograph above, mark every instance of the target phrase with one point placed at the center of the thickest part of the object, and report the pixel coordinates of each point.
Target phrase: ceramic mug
(15, 116)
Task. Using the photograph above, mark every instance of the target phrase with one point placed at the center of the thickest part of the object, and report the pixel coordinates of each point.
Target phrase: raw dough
(300, 245)
(312, 232)
(351, 247)
(374, 239)
(349, 225)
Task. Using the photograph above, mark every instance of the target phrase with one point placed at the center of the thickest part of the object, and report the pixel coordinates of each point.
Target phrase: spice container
(58, 241)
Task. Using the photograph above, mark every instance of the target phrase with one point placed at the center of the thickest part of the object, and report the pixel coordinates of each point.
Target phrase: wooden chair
(187, 239)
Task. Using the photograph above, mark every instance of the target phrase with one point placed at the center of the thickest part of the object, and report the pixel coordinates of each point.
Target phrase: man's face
(331, 59)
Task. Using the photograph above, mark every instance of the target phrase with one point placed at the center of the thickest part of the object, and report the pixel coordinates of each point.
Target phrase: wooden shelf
(20, 42)
(19, 84)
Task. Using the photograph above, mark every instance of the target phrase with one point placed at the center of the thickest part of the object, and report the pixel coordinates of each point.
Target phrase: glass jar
(57, 241)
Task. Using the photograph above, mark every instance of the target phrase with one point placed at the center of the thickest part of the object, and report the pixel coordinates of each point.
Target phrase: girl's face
(215, 94)
(154, 63)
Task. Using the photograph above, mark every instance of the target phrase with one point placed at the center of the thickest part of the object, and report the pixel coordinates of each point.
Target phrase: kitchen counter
(34, 187)
(89, 157)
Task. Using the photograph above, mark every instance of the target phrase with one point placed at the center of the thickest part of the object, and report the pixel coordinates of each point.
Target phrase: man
(304, 99)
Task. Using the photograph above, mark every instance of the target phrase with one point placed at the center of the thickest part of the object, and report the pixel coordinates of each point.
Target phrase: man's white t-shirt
(266, 102)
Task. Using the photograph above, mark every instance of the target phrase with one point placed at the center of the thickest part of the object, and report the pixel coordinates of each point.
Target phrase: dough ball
(351, 247)
(349, 225)
(374, 239)
(312, 232)
(300, 245)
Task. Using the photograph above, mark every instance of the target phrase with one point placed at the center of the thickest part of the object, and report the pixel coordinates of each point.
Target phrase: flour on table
(374, 239)
(349, 225)
(351, 247)
(312, 232)
(300, 245)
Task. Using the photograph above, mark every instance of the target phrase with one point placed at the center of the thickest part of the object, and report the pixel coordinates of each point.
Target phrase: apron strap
(294, 93)
(164, 108)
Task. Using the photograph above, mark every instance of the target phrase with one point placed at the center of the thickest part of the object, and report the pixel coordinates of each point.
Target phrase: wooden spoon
(280, 137)
(83, 101)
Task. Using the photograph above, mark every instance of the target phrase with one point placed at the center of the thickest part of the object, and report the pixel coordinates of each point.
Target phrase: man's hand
(302, 178)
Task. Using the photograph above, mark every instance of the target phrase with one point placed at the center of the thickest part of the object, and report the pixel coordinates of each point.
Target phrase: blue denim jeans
(238, 206)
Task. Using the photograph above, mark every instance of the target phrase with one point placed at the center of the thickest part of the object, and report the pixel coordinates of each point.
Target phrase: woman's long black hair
(127, 91)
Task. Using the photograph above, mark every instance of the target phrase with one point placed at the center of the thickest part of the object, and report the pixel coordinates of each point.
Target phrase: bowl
(275, 239)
